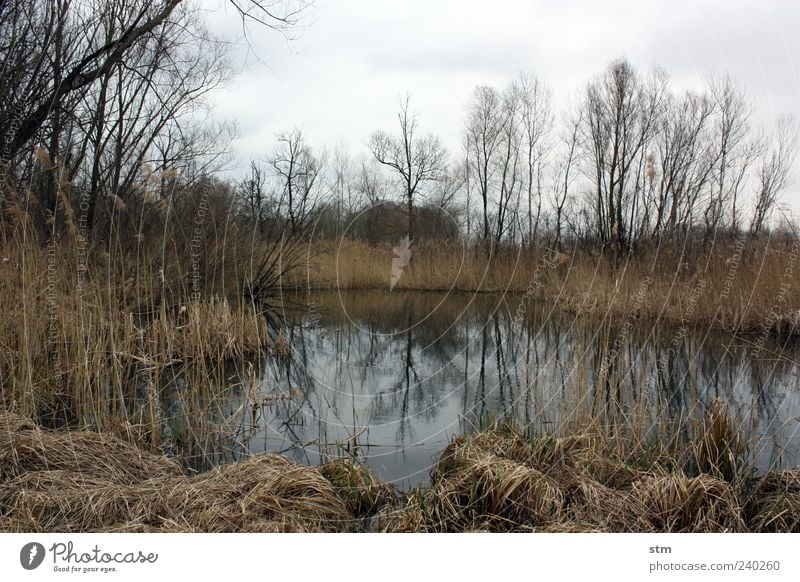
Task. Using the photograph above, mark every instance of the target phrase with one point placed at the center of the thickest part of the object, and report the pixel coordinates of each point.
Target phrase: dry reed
(84, 481)
(729, 287)
(501, 480)
(496, 480)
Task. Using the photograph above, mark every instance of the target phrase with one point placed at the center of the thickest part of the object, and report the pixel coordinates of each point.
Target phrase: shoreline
(727, 288)
(793, 331)
(495, 480)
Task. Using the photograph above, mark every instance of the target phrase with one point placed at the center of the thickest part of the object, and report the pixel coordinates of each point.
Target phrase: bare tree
(443, 199)
(774, 172)
(734, 155)
(416, 160)
(485, 119)
(108, 89)
(621, 111)
(537, 121)
(342, 189)
(681, 163)
(369, 183)
(564, 174)
(467, 186)
(145, 111)
(73, 50)
(509, 163)
(253, 196)
(297, 170)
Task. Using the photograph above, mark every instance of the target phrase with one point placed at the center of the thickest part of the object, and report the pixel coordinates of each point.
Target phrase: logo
(402, 257)
(31, 556)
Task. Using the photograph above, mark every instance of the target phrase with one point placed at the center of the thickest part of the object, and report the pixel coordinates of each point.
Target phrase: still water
(391, 377)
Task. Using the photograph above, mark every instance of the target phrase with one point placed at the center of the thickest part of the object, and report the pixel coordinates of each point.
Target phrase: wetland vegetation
(585, 319)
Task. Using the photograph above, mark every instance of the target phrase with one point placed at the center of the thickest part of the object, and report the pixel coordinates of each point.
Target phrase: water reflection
(391, 377)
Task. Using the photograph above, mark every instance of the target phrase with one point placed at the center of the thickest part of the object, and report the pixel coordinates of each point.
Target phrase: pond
(392, 377)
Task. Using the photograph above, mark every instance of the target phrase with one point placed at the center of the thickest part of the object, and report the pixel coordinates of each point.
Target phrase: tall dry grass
(90, 340)
(79, 481)
(741, 285)
(594, 481)
(500, 479)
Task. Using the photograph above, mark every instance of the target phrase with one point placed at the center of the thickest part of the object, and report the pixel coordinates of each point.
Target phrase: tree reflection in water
(391, 377)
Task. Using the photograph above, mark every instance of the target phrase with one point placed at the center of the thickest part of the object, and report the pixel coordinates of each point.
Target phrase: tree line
(631, 161)
(105, 119)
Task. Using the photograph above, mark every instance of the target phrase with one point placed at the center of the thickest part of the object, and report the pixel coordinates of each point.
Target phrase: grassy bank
(737, 284)
(501, 480)
(496, 480)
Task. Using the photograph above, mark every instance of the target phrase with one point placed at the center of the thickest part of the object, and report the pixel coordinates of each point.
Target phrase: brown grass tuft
(677, 503)
(25, 448)
(721, 447)
(85, 481)
(497, 480)
(500, 480)
(773, 504)
(264, 493)
(362, 492)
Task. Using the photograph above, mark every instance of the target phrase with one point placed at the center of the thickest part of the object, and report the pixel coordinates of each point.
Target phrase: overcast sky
(341, 78)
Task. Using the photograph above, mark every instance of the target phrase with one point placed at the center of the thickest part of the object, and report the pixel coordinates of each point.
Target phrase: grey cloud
(342, 78)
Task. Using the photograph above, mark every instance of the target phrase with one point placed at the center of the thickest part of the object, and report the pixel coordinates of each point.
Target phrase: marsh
(391, 377)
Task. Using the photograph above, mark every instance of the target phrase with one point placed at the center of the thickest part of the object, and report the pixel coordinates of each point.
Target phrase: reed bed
(497, 480)
(744, 286)
(96, 340)
(99, 348)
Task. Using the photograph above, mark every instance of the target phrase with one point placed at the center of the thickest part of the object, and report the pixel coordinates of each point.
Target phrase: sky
(342, 76)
